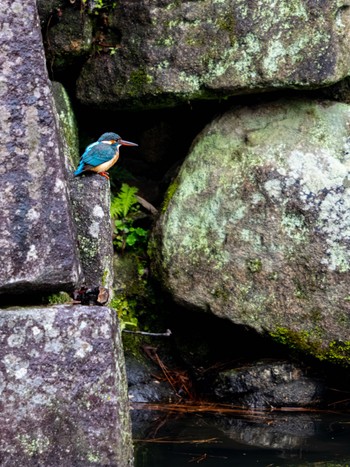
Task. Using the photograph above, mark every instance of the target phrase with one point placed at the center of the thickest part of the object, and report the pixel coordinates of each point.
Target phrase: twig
(178, 441)
(144, 333)
(147, 205)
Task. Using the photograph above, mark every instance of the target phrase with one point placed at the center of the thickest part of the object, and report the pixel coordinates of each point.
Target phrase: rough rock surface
(257, 225)
(268, 384)
(146, 382)
(91, 206)
(68, 127)
(37, 240)
(63, 388)
(170, 51)
(68, 38)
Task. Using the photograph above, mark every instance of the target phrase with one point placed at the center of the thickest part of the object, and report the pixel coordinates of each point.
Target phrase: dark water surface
(259, 439)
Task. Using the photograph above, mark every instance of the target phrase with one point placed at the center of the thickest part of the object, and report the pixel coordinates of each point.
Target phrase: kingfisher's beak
(126, 143)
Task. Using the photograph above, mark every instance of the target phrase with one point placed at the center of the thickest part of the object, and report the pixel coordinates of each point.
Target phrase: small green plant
(96, 6)
(125, 210)
(126, 311)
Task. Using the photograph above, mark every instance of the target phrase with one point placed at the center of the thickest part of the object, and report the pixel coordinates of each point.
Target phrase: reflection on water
(218, 440)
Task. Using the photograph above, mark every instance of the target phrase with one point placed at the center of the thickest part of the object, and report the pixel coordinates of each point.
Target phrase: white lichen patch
(273, 188)
(32, 253)
(21, 373)
(59, 186)
(33, 214)
(295, 228)
(98, 211)
(15, 365)
(94, 229)
(15, 340)
(54, 346)
(83, 348)
(316, 171)
(334, 222)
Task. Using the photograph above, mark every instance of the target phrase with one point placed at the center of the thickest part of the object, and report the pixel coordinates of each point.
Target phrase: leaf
(123, 202)
(131, 239)
(141, 232)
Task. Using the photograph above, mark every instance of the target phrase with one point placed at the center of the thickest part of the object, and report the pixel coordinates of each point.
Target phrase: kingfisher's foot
(104, 174)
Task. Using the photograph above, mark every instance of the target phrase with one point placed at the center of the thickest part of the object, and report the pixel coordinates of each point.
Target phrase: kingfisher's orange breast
(106, 165)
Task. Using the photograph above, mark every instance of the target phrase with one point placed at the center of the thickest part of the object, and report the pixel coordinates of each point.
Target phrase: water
(241, 440)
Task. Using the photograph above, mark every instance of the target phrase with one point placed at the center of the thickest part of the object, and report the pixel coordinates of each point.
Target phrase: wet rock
(68, 37)
(146, 382)
(91, 206)
(256, 226)
(268, 384)
(173, 52)
(47, 10)
(63, 388)
(38, 246)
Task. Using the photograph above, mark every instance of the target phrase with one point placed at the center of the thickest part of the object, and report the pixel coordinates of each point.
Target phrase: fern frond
(123, 202)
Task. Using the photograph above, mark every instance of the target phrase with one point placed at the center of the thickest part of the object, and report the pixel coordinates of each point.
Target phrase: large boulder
(168, 52)
(63, 388)
(38, 249)
(256, 227)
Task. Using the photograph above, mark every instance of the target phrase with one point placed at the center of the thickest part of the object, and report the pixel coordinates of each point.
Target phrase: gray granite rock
(68, 127)
(256, 227)
(68, 37)
(37, 240)
(63, 388)
(168, 52)
(90, 196)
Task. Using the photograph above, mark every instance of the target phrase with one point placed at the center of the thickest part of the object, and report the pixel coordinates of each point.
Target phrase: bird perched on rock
(101, 155)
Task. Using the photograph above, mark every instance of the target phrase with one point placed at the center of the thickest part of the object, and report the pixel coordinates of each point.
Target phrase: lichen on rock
(63, 388)
(257, 229)
(173, 52)
(38, 249)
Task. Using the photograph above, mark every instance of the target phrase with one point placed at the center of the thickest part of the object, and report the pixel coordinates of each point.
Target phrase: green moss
(254, 265)
(221, 293)
(105, 277)
(296, 340)
(300, 291)
(165, 41)
(134, 297)
(138, 81)
(169, 194)
(305, 341)
(338, 352)
(126, 308)
(228, 24)
(67, 122)
(58, 299)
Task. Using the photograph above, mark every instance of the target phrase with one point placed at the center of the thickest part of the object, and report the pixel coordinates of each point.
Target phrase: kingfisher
(102, 155)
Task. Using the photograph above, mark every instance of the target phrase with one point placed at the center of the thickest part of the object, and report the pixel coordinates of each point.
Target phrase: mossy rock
(257, 229)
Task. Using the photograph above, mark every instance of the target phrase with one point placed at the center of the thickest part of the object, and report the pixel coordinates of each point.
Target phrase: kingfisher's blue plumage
(101, 155)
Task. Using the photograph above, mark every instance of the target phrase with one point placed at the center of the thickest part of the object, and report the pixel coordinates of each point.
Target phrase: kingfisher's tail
(80, 169)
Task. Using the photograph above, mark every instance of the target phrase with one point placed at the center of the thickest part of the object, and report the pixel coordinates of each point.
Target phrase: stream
(243, 439)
